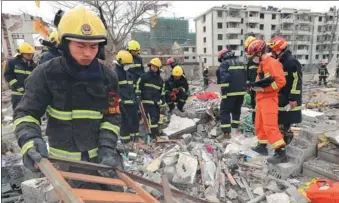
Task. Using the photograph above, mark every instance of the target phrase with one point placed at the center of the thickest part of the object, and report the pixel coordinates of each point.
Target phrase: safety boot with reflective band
(261, 149)
(279, 156)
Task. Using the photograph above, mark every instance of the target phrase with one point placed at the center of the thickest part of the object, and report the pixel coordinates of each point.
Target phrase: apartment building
(307, 33)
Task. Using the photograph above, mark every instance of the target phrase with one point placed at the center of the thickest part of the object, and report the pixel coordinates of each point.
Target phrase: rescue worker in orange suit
(129, 128)
(323, 73)
(137, 69)
(18, 69)
(176, 89)
(231, 75)
(252, 67)
(81, 97)
(266, 121)
(290, 96)
(150, 91)
(52, 46)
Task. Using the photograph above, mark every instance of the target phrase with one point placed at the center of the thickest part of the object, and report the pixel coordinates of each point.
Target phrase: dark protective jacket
(126, 88)
(17, 70)
(231, 74)
(292, 91)
(50, 54)
(323, 72)
(151, 88)
(171, 84)
(252, 68)
(137, 68)
(82, 116)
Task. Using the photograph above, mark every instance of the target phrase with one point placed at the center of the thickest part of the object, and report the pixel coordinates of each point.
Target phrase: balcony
(303, 21)
(254, 30)
(237, 52)
(302, 52)
(236, 19)
(286, 32)
(304, 32)
(234, 42)
(233, 30)
(300, 42)
(287, 20)
(255, 19)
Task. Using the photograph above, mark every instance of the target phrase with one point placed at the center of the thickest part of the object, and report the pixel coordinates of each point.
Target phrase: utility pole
(334, 29)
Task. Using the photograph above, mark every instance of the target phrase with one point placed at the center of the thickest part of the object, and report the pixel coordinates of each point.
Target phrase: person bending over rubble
(18, 69)
(290, 96)
(129, 129)
(150, 90)
(266, 121)
(176, 89)
(231, 74)
(81, 98)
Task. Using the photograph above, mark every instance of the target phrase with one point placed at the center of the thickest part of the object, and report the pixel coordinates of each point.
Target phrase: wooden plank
(62, 188)
(167, 190)
(145, 195)
(100, 196)
(92, 179)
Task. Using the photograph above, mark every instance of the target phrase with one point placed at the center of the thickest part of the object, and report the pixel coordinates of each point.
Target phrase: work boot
(288, 137)
(181, 109)
(279, 156)
(224, 136)
(261, 149)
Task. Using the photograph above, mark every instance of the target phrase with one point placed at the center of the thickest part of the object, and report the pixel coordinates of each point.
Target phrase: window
(193, 57)
(242, 31)
(337, 56)
(187, 57)
(241, 53)
(219, 47)
(219, 25)
(204, 18)
(262, 16)
(204, 29)
(193, 49)
(273, 27)
(274, 16)
(185, 48)
(219, 36)
(306, 57)
(261, 26)
(204, 50)
(220, 14)
(242, 20)
(205, 60)
(324, 57)
(320, 18)
(204, 39)
(317, 56)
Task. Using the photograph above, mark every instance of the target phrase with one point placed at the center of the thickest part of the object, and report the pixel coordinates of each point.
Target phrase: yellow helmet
(248, 41)
(80, 24)
(54, 37)
(124, 57)
(25, 48)
(177, 71)
(156, 62)
(133, 46)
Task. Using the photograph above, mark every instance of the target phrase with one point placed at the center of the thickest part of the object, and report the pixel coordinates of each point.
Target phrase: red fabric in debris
(206, 96)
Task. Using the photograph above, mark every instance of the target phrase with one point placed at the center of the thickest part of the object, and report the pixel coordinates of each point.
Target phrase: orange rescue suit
(266, 119)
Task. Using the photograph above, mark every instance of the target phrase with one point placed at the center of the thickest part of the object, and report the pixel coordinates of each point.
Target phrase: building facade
(308, 33)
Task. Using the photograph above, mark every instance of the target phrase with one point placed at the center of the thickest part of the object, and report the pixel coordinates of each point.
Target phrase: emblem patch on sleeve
(113, 103)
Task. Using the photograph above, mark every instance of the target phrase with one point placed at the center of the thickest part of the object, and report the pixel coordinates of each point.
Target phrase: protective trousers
(266, 122)
(230, 105)
(252, 93)
(180, 100)
(322, 78)
(15, 100)
(153, 114)
(129, 127)
(206, 82)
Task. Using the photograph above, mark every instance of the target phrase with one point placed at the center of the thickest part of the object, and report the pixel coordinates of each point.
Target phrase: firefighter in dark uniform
(231, 75)
(129, 128)
(18, 69)
(150, 90)
(137, 69)
(252, 67)
(323, 73)
(205, 76)
(81, 97)
(52, 46)
(290, 96)
(176, 89)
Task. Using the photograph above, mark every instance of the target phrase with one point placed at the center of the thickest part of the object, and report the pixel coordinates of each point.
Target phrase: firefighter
(290, 96)
(171, 62)
(150, 90)
(129, 129)
(337, 71)
(323, 73)
(81, 97)
(231, 75)
(252, 67)
(266, 121)
(138, 67)
(18, 69)
(51, 44)
(176, 89)
(205, 76)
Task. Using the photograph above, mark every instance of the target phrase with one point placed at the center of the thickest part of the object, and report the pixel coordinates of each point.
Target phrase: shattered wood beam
(167, 191)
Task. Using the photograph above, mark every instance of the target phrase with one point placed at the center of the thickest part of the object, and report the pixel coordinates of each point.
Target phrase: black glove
(32, 152)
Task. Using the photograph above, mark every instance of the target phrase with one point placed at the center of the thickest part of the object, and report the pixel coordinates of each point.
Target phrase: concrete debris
(186, 169)
(272, 185)
(258, 191)
(213, 132)
(187, 138)
(296, 195)
(232, 194)
(178, 126)
(170, 171)
(39, 190)
(278, 198)
(209, 169)
(132, 156)
(333, 136)
(211, 194)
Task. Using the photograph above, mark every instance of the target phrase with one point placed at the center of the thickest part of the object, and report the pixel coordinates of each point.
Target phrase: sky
(187, 9)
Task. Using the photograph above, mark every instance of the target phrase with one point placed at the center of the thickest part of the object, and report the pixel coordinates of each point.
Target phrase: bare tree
(120, 17)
